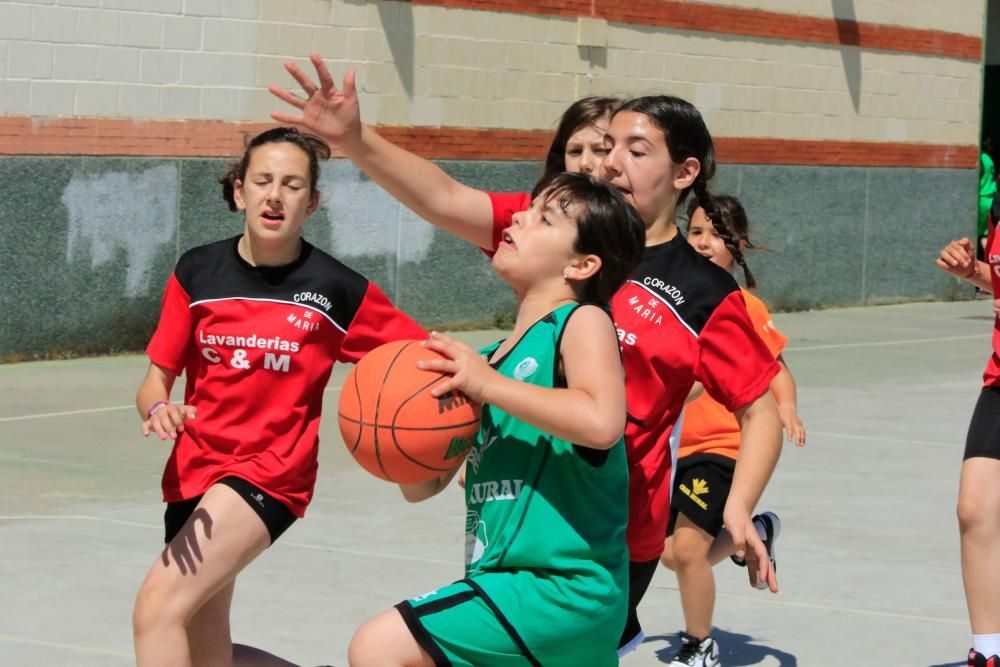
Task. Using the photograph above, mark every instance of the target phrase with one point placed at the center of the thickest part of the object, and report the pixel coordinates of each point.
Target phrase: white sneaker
(632, 644)
(696, 652)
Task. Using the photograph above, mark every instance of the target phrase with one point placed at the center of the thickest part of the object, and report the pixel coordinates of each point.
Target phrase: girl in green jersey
(546, 489)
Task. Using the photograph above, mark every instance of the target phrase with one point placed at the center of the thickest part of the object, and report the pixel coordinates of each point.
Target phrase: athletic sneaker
(768, 528)
(632, 644)
(696, 652)
(977, 659)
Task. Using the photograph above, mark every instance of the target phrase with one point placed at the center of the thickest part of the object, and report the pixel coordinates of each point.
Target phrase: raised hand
(333, 114)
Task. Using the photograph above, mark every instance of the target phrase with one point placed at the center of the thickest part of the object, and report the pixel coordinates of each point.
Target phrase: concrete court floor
(869, 562)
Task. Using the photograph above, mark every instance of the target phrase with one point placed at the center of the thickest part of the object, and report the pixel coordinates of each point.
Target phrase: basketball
(391, 423)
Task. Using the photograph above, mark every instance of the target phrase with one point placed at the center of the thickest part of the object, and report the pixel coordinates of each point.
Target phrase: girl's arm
(958, 258)
(589, 412)
(760, 446)
(785, 394)
(154, 406)
(419, 491)
(417, 183)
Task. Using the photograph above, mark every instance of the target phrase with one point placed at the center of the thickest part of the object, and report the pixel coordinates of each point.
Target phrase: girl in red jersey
(256, 323)
(680, 318)
(710, 442)
(978, 493)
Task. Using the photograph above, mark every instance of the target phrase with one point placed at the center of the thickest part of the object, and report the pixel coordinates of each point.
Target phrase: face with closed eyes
(276, 195)
(639, 165)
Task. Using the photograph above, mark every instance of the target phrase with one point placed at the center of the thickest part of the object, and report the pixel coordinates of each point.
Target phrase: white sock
(988, 645)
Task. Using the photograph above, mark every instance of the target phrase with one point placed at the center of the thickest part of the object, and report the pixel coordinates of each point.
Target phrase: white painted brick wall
(177, 101)
(160, 67)
(141, 29)
(29, 60)
(139, 101)
(99, 27)
(213, 59)
(182, 32)
(96, 99)
(75, 63)
(54, 24)
(48, 98)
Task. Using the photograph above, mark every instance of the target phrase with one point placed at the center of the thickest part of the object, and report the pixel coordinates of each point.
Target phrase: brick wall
(427, 65)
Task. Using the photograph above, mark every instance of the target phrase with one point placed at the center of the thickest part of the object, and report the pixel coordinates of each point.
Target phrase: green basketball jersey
(538, 505)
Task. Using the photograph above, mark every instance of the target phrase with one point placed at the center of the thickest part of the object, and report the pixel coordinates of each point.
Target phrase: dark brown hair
(606, 226)
(685, 133)
(314, 147)
(583, 112)
(730, 222)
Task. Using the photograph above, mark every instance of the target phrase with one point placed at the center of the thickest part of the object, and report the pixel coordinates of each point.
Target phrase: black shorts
(984, 429)
(701, 488)
(640, 575)
(275, 515)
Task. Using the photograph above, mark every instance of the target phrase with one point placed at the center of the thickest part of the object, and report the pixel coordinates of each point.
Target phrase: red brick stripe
(703, 17)
(22, 136)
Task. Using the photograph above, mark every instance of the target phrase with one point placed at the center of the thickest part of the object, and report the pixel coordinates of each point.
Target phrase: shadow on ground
(735, 650)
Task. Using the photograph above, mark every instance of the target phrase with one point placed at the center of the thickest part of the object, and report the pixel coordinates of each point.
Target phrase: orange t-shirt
(707, 427)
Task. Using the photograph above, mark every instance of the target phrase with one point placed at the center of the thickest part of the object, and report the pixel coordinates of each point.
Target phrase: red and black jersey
(991, 376)
(680, 319)
(257, 345)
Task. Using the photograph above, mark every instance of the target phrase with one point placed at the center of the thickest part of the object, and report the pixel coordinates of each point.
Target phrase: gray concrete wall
(89, 242)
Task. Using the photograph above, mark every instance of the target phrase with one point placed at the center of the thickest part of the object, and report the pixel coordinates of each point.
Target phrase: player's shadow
(735, 650)
(951, 664)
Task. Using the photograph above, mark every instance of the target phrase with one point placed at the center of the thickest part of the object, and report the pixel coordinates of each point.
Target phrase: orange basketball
(393, 426)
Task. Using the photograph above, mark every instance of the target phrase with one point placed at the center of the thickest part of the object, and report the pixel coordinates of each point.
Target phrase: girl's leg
(722, 548)
(691, 547)
(221, 537)
(386, 641)
(979, 525)
(210, 641)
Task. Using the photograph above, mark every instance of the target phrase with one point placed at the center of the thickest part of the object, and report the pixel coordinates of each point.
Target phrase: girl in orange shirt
(709, 446)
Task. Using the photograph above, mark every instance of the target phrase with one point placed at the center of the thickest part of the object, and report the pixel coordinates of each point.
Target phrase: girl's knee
(973, 513)
(688, 549)
(156, 604)
(667, 558)
(362, 651)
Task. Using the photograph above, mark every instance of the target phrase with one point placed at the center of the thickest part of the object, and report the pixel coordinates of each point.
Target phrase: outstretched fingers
(323, 74)
(301, 78)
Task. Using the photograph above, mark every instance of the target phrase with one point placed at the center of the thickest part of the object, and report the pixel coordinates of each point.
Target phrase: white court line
(74, 517)
(849, 610)
(356, 552)
(297, 545)
(42, 415)
(835, 346)
(826, 607)
(71, 647)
